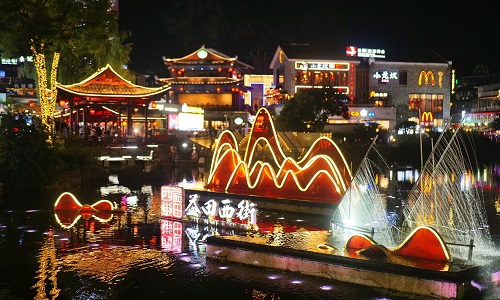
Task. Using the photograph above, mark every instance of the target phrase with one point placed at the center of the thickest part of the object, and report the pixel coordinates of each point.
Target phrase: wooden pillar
(146, 119)
(129, 117)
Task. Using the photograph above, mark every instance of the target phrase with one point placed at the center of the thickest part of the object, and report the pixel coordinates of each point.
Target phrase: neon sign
(364, 52)
(15, 61)
(171, 235)
(191, 109)
(322, 175)
(385, 76)
(427, 119)
(426, 76)
(245, 210)
(321, 66)
(362, 113)
(172, 202)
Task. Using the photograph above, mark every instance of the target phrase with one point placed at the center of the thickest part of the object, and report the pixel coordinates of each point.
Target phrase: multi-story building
(212, 81)
(476, 101)
(21, 90)
(384, 86)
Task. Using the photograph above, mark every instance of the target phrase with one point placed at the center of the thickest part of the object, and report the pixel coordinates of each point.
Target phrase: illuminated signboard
(321, 66)
(171, 235)
(378, 94)
(172, 202)
(365, 52)
(238, 120)
(172, 121)
(245, 210)
(363, 113)
(188, 121)
(191, 109)
(385, 76)
(15, 61)
(202, 53)
(426, 119)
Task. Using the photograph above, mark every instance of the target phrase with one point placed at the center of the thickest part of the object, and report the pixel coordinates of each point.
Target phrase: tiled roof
(326, 52)
(200, 80)
(106, 82)
(212, 57)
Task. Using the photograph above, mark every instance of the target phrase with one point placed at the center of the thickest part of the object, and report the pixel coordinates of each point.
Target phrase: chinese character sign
(244, 210)
(171, 235)
(172, 202)
(193, 209)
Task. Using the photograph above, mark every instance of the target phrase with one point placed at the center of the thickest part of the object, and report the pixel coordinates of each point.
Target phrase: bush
(27, 159)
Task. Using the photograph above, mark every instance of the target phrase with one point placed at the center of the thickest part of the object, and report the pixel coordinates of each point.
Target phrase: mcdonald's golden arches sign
(426, 119)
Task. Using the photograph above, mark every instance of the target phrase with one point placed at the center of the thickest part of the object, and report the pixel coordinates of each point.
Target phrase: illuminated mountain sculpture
(68, 210)
(322, 175)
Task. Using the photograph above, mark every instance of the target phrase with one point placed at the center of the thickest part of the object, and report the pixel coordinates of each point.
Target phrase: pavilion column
(146, 120)
(84, 112)
(129, 117)
(71, 127)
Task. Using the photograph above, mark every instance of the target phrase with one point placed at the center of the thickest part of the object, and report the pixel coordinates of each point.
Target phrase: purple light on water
(272, 277)
(326, 287)
(495, 277)
(296, 281)
(185, 258)
(223, 267)
(476, 285)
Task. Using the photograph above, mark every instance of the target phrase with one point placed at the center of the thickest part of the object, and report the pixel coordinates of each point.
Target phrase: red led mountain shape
(321, 176)
(68, 210)
(424, 246)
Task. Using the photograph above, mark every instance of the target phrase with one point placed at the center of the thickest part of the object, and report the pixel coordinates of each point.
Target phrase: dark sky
(465, 33)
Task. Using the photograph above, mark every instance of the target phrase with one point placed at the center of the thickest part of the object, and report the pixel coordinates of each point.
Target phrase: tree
(45, 29)
(495, 125)
(26, 158)
(309, 110)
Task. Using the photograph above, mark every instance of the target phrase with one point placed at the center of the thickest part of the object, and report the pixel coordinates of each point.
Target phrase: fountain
(428, 253)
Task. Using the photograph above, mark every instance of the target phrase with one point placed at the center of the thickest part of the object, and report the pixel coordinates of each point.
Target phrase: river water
(135, 256)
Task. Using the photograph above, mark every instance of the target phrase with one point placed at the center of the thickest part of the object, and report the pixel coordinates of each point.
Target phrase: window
(403, 77)
(426, 102)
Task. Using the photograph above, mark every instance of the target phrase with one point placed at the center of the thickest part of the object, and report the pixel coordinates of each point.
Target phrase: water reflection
(138, 254)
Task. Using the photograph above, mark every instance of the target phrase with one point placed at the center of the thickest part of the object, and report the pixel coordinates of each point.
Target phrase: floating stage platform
(310, 253)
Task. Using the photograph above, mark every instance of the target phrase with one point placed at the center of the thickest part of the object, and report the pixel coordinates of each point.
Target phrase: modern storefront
(416, 84)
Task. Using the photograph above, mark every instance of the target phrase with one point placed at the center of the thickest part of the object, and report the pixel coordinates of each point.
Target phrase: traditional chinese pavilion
(211, 80)
(107, 100)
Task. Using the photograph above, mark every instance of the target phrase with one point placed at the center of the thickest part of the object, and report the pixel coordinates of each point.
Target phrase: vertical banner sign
(172, 202)
(171, 235)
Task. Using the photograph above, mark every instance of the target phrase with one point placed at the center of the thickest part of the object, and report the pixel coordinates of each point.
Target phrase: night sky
(465, 33)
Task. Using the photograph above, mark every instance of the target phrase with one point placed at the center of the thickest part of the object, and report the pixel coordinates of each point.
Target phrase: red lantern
(62, 103)
(153, 104)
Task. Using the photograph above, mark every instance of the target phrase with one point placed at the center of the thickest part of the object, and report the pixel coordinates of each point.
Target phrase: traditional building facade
(384, 86)
(212, 81)
(118, 107)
